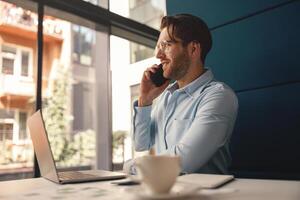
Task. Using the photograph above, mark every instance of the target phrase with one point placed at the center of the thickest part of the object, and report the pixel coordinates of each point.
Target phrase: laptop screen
(42, 146)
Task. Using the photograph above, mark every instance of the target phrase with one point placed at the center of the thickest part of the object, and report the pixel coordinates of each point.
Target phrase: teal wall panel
(216, 12)
(256, 50)
(266, 136)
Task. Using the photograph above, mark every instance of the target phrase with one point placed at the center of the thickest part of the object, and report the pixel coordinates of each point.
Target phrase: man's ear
(195, 49)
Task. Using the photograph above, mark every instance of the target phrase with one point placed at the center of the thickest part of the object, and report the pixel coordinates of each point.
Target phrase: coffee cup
(158, 173)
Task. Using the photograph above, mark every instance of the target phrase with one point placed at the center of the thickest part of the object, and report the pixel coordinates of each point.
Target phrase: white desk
(242, 189)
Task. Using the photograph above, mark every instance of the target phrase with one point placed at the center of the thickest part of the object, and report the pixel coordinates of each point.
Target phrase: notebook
(208, 181)
(46, 161)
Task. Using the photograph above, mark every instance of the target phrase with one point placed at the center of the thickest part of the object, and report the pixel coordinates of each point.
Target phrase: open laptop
(46, 161)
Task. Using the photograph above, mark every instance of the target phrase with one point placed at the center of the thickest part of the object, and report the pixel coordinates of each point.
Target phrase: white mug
(158, 173)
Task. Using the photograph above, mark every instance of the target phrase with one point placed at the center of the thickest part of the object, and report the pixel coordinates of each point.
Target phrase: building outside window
(83, 40)
(127, 65)
(73, 141)
(72, 62)
(148, 12)
(17, 89)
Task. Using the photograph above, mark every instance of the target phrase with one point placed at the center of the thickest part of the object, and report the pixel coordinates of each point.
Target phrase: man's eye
(164, 45)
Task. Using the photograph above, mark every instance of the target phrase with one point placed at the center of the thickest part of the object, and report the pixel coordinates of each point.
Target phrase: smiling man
(194, 116)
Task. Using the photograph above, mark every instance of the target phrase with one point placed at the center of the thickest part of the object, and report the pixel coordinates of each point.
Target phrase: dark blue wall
(256, 51)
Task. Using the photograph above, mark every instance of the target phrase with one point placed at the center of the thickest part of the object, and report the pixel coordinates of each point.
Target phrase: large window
(126, 76)
(128, 64)
(76, 87)
(17, 89)
(71, 81)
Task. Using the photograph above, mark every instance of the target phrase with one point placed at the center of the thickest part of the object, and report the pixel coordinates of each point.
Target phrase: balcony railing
(17, 16)
(14, 154)
(23, 86)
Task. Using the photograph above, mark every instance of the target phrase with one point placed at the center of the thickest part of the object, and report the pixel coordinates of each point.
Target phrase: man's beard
(180, 66)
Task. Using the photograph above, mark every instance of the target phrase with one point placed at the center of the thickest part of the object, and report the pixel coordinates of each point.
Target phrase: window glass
(22, 126)
(8, 59)
(132, 59)
(6, 131)
(126, 76)
(147, 12)
(16, 59)
(70, 85)
(17, 95)
(75, 87)
(101, 3)
(139, 52)
(8, 66)
(25, 63)
(83, 40)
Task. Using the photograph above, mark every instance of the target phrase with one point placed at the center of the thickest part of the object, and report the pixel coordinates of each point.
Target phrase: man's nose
(159, 53)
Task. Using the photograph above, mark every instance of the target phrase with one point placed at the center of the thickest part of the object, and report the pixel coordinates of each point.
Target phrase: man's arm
(142, 127)
(210, 130)
(143, 124)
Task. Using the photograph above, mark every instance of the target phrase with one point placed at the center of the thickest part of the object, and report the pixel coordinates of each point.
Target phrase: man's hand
(148, 91)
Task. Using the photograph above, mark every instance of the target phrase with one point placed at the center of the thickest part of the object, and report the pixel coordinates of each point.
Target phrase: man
(194, 116)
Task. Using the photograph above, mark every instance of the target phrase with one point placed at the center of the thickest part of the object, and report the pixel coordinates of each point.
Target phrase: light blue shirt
(194, 122)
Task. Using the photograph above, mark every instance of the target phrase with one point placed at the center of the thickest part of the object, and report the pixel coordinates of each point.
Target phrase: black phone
(158, 78)
(125, 182)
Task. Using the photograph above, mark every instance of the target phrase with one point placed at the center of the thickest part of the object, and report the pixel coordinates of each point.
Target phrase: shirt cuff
(141, 113)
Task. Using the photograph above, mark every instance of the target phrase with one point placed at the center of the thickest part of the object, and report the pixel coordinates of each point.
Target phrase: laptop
(46, 161)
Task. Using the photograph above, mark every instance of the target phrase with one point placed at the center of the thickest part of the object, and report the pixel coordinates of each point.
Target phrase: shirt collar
(196, 84)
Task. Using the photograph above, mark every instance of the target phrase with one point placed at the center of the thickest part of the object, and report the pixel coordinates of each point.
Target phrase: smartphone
(157, 78)
(125, 182)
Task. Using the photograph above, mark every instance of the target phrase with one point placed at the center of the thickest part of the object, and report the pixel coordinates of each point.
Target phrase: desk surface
(40, 188)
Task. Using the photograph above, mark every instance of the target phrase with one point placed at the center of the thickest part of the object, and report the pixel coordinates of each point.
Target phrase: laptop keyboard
(74, 175)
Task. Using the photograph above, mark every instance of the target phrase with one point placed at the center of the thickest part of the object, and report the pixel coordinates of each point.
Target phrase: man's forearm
(142, 128)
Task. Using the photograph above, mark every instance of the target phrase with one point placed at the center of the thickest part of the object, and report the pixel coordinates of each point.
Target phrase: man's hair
(188, 28)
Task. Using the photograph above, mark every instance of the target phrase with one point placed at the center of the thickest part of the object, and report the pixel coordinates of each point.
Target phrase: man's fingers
(155, 66)
(149, 71)
(147, 75)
